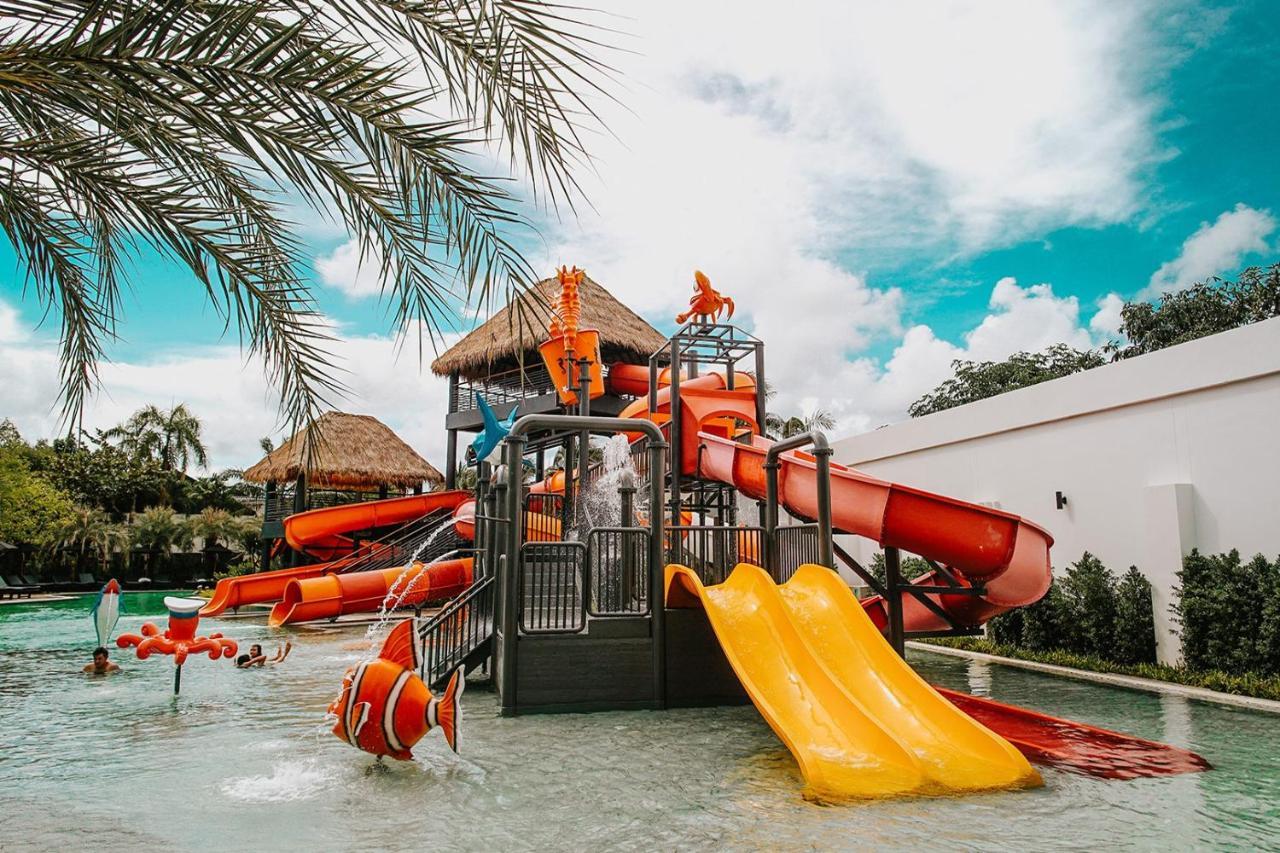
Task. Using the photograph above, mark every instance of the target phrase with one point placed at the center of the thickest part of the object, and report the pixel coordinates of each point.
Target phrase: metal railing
(279, 504)
(712, 552)
(412, 541)
(457, 631)
(508, 386)
(618, 571)
(551, 587)
(795, 545)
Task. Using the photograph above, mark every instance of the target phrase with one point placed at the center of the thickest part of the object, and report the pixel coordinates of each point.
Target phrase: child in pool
(255, 657)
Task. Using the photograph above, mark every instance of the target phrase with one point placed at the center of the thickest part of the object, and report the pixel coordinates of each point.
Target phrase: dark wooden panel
(581, 673)
(698, 673)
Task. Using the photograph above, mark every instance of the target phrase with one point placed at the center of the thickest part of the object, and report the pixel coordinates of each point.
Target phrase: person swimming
(255, 657)
(102, 664)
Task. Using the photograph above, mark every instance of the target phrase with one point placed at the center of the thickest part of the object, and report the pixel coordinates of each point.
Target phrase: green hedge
(1249, 684)
(1228, 611)
(1086, 612)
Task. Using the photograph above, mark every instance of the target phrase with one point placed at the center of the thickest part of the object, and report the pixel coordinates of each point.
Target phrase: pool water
(243, 759)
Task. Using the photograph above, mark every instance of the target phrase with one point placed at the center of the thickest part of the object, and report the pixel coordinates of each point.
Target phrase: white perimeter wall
(1156, 455)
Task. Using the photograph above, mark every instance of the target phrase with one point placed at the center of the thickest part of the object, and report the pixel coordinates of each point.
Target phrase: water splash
(601, 504)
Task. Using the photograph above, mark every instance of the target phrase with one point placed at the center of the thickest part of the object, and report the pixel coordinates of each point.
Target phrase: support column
(451, 458)
(1169, 534)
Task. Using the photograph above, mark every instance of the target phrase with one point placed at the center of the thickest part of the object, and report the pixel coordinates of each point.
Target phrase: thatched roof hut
(514, 333)
(350, 452)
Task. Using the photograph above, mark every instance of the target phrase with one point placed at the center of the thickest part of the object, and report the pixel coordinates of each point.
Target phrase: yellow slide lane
(857, 718)
(841, 750)
(955, 751)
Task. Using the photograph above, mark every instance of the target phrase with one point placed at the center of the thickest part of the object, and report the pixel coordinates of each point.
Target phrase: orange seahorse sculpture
(707, 303)
(567, 308)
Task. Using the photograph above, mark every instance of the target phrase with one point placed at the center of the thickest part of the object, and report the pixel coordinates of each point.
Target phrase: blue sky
(882, 188)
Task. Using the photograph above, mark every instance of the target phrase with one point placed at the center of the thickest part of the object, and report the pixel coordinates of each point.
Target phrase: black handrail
(461, 627)
(822, 454)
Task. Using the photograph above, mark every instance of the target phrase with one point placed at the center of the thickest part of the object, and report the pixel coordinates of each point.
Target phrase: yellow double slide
(859, 721)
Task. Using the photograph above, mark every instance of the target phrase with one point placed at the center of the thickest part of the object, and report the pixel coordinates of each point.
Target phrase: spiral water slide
(323, 533)
(1007, 554)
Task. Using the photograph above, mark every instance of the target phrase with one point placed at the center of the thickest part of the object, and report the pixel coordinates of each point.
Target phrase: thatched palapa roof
(350, 451)
(502, 340)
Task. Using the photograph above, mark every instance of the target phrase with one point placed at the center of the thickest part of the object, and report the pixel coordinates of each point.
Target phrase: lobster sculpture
(179, 639)
(706, 303)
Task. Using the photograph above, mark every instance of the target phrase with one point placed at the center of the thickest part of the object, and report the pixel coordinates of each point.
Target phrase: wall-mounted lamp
(1060, 499)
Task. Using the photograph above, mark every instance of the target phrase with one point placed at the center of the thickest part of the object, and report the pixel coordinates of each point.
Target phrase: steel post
(893, 583)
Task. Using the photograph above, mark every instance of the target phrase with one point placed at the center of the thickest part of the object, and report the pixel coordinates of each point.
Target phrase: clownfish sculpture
(385, 708)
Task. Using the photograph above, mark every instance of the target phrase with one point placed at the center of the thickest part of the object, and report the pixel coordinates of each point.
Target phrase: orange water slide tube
(330, 596)
(1008, 554)
(320, 532)
(263, 586)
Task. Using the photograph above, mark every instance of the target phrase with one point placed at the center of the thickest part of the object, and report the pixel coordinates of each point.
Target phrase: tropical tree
(171, 438)
(778, 426)
(32, 510)
(160, 530)
(85, 531)
(1205, 308)
(215, 526)
(977, 380)
(190, 128)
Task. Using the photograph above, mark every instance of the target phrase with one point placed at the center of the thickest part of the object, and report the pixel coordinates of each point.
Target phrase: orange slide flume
(320, 533)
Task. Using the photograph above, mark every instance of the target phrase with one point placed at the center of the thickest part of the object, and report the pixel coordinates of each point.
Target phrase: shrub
(1088, 591)
(1269, 631)
(910, 567)
(1219, 605)
(236, 569)
(1044, 623)
(1006, 629)
(1135, 626)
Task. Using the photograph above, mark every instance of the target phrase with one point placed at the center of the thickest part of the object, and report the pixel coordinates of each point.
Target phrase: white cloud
(345, 269)
(1106, 322)
(231, 397)
(1214, 249)
(755, 152)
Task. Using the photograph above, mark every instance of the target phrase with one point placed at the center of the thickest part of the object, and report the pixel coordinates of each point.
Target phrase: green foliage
(1085, 612)
(1089, 596)
(31, 509)
(102, 476)
(910, 567)
(780, 426)
(979, 380)
(245, 566)
(170, 438)
(89, 533)
(160, 530)
(1135, 637)
(1249, 684)
(1222, 605)
(1044, 624)
(1006, 629)
(180, 128)
(1202, 309)
(215, 526)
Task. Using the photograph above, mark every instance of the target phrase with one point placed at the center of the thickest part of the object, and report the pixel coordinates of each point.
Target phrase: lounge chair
(14, 590)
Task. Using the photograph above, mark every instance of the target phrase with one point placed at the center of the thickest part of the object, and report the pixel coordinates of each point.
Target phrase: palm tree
(185, 127)
(215, 525)
(85, 530)
(780, 427)
(159, 529)
(171, 438)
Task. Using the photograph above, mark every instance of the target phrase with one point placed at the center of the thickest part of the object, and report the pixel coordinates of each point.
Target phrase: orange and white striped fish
(385, 708)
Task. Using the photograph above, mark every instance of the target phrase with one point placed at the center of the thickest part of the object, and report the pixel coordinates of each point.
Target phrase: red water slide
(1008, 554)
(321, 533)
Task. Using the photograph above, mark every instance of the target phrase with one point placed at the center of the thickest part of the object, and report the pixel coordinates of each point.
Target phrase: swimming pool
(242, 759)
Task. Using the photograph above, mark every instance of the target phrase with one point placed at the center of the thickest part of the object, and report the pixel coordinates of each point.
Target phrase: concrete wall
(1155, 455)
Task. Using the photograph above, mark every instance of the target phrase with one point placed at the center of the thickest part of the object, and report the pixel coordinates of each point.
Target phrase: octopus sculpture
(179, 639)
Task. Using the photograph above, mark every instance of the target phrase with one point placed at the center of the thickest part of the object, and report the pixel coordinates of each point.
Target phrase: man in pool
(101, 665)
(255, 657)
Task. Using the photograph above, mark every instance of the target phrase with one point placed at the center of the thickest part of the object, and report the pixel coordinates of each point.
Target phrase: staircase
(460, 635)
